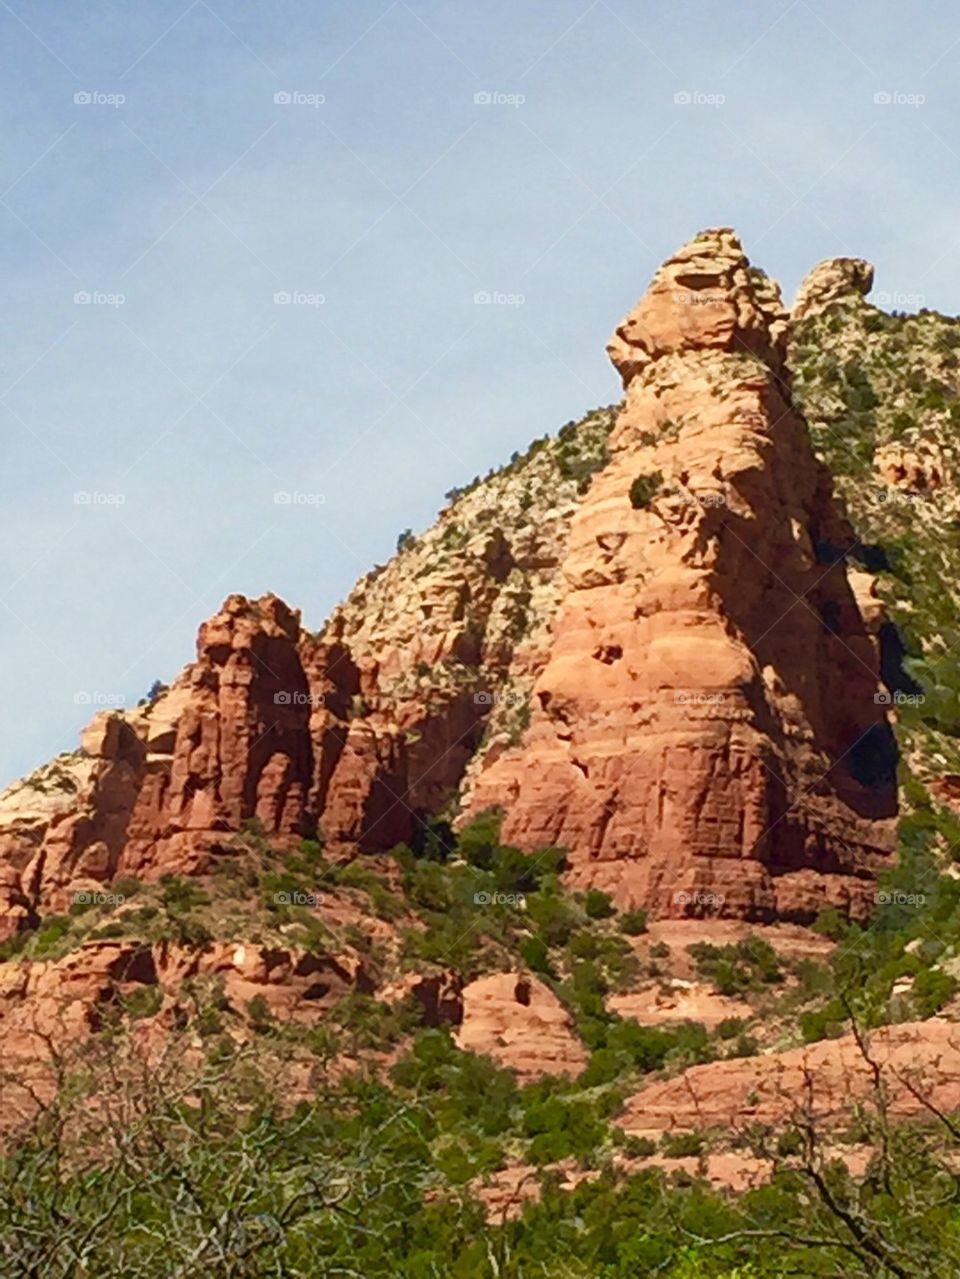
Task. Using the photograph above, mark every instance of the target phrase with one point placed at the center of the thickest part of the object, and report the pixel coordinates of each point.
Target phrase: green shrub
(789, 1143)
(144, 1001)
(598, 905)
(679, 1145)
(748, 965)
(258, 1011)
(13, 945)
(536, 955)
(553, 917)
(181, 895)
(126, 888)
(477, 841)
(562, 1128)
(639, 1147)
(50, 932)
(932, 988)
(633, 923)
(729, 1027)
(113, 929)
(644, 489)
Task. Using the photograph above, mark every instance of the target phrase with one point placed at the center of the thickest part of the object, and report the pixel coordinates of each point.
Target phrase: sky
(277, 276)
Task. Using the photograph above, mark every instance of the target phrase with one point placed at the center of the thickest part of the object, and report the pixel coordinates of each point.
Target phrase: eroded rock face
(519, 1022)
(239, 742)
(832, 281)
(65, 827)
(705, 738)
(162, 788)
(52, 1002)
(678, 631)
(827, 1079)
(439, 994)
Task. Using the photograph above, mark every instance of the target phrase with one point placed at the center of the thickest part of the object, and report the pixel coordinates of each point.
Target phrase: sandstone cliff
(644, 647)
(705, 735)
(361, 731)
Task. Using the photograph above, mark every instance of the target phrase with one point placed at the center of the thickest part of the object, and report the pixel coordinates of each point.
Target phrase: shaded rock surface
(69, 997)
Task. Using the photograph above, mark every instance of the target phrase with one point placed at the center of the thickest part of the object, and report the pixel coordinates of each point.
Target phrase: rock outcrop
(519, 1022)
(58, 1000)
(705, 736)
(236, 747)
(918, 1064)
(65, 827)
(918, 471)
(832, 281)
(644, 648)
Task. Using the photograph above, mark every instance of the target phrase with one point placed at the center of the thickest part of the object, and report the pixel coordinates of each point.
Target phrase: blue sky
(146, 163)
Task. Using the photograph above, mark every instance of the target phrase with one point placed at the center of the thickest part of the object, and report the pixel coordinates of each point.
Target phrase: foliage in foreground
(196, 1167)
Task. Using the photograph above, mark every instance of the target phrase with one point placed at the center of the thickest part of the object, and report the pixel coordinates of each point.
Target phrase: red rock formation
(65, 827)
(439, 994)
(705, 738)
(834, 280)
(240, 748)
(520, 1023)
(381, 762)
(67, 998)
(829, 1078)
(160, 789)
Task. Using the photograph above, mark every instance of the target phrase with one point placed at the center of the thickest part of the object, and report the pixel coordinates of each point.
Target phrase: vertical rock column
(705, 738)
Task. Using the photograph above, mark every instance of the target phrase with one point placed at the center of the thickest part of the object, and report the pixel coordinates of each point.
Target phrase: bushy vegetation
(644, 489)
(865, 380)
(211, 1170)
(747, 965)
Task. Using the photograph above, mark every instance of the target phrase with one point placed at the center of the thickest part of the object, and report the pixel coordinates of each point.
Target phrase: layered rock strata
(705, 737)
(644, 647)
